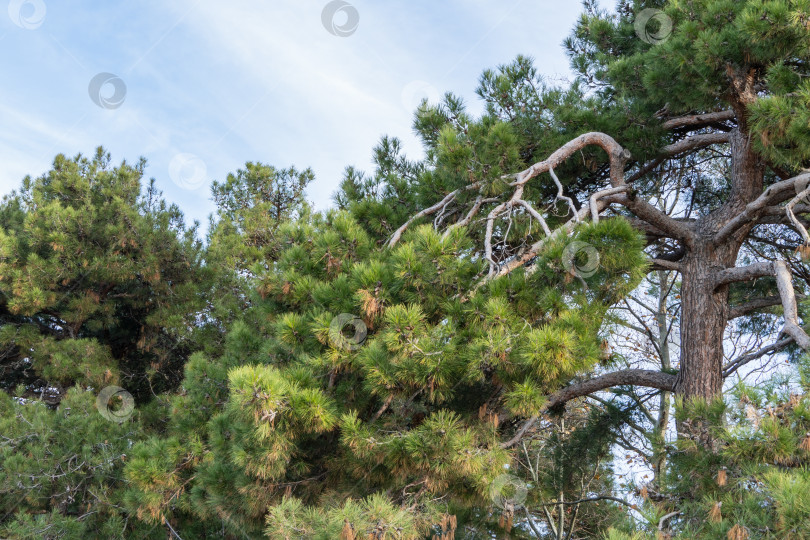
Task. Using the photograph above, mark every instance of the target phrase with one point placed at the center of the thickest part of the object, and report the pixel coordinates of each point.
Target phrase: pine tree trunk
(704, 306)
(704, 313)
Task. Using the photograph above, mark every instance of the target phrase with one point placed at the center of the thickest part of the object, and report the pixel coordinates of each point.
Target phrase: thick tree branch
(754, 305)
(743, 273)
(618, 157)
(671, 227)
(780, 211)
(663, 264)
(698, 120)
(635, 377)
(694, 142)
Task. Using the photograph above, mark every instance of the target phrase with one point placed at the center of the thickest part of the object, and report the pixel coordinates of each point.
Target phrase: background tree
(101, 284)
(242, 241)
(98, 281)
(491, 299)
(251, 205)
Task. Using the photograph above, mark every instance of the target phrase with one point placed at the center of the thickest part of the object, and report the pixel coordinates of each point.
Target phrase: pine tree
(99, 287)
(99, 281)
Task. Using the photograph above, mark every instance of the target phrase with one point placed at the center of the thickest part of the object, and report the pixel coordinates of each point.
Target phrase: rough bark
(704, 296)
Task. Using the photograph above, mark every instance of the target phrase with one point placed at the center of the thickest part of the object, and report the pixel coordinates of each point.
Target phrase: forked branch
(774, 194)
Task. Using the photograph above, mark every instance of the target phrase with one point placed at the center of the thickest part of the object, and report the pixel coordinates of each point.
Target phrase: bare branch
(785, 284)
(792, 216)
(429, 211)
(479, 201)
(534, 213)
(743, 273)
(737, 363)
(694, 142)
(426, 212)
(601, 199)
(561, 196)
(698, 120)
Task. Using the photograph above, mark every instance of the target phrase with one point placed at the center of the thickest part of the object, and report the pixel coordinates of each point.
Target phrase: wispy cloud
(262, 81)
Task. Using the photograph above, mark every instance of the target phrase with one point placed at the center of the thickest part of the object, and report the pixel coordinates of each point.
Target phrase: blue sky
(211, 85)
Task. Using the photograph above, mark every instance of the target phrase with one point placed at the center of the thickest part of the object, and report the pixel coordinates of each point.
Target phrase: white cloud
(260, 81)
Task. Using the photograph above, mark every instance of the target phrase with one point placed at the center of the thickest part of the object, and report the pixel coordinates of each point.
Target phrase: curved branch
(560, 195)
(618, 157)
(635, 377)
(792, 216)
(785, 284)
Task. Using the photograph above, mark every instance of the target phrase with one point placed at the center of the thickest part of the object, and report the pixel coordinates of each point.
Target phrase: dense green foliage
(100, 281)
